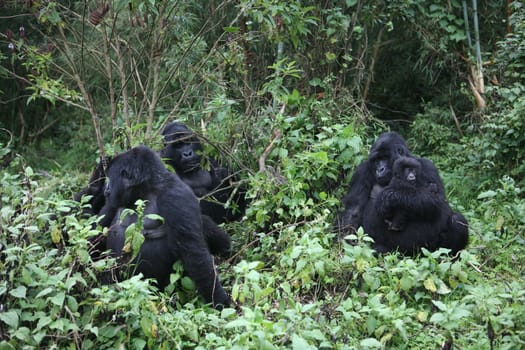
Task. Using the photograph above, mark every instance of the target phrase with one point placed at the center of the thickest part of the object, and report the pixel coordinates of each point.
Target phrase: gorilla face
(182, 148)
(388, 147)
(407, 170)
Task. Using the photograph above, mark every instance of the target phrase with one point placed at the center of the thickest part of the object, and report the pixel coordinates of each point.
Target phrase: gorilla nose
(188, 154)
(380, 171)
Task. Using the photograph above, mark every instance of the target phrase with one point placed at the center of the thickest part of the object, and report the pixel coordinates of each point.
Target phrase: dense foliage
(290, 95)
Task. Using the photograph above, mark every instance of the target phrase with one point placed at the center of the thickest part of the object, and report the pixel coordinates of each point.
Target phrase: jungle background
(290, 95)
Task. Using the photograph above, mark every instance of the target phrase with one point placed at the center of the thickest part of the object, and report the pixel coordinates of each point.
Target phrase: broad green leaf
(10, 318)
(19, 292)
(370, 343)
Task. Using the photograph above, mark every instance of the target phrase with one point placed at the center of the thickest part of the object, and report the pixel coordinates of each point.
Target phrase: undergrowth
(293, 284)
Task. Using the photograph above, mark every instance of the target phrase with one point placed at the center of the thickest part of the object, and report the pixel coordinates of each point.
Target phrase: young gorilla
(414, 209)
(140, 174)
(405, 173)
(181, 152)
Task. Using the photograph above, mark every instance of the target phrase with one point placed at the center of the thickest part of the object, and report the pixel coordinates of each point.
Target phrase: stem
(85, 94)
(375, 53)
(467, 26)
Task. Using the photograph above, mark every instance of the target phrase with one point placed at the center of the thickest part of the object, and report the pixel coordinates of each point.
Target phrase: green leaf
(58, 299)
(406, 282)
(487, 194)
(187, 283)
(438, 318)
(42, 322)
(44, 292)
(10, 318)
(240, 322)
(231, 29)
(19, 292)
(370, 343)
(440, 305)
(299, 343)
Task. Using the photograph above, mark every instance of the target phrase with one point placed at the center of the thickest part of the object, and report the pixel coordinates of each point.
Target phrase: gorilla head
(407, 170)
(182, 148)
(133, 178)
(388, 147)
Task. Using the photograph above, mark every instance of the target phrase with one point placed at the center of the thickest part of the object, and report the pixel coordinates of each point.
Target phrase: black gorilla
(218, 241)
(430, 222)
(376, 172)
(405, 174)
(140, 174)
(182, 152)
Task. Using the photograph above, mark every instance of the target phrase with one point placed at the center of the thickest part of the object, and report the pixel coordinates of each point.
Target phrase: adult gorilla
(182, 152)
(377, 171)
(218, 241)
(436, 224)
(140, 174)
(428, 221)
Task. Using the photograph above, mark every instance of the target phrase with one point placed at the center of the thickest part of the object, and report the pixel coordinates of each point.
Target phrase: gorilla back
(140, 174)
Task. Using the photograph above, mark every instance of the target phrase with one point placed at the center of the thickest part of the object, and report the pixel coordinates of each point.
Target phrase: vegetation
(290, 95)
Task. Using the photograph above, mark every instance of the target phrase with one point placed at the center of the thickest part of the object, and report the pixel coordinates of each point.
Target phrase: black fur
(404, 180)
(375, 197)
(218, 241)
(214, 187)
(140, 174)
(95, 188)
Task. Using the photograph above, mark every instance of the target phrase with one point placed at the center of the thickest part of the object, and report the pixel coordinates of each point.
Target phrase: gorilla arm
(354, 201)
(418, 203)
(188, 243)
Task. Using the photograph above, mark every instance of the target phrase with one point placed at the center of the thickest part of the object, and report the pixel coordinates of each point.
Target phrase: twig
(262, 159)
(75, 333)
(276, 136)
(456, 120)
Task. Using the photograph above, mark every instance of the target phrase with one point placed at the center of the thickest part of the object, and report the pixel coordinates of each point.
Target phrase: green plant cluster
(293, 285)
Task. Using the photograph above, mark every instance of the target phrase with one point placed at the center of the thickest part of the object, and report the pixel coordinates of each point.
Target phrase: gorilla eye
(124, 173)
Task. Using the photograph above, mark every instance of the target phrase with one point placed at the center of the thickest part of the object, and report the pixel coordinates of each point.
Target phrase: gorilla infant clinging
(424, 219)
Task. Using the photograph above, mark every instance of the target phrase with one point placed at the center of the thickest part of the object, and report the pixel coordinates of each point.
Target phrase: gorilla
(140, 174)
(218, 241)
(182, 152)
(405, 174)
(428, 221)
(375, 173)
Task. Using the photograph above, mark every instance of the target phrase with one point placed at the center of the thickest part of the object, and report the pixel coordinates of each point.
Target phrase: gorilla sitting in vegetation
(428, 219)
(404, 180)
(218, 241)
(174, 233)
(214, 187)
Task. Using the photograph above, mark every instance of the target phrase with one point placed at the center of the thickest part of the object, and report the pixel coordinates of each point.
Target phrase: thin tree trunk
(85, 94)
(375, 53)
